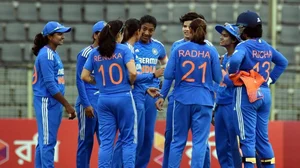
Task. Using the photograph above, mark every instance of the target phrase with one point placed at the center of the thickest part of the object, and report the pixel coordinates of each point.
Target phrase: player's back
(111, 74)
(194, 66)
(258, 56)
(48, 67)
(197, 66)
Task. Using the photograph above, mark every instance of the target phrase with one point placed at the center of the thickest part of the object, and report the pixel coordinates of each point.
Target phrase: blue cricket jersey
(48, 76)
(167, 83)
(111, 74)
(82, 86)
(196, 67)
(149, 54)
(141, 78)
(224, 92)
(257, 54)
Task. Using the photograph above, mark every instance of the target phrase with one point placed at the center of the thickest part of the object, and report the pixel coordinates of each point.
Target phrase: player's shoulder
(46, 53)
(94, 51)
(185, 44)
(208, 42)
(179, 41)
(264, 42)
(86, 51)
(120, 46)
(157, 42)
(243, 43)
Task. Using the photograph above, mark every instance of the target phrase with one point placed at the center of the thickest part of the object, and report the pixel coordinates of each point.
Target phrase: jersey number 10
(116, 82)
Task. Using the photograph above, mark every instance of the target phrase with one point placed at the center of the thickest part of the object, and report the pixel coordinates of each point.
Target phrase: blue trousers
(48, 116)
(185, 117)
(143, 157)
(253, 119)
(117, 112)
(139, 99)
(87, 127)
(168, 136)
(225, 136)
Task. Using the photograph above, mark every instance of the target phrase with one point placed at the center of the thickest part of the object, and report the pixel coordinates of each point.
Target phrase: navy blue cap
(54, 27)
(98, 26)
(231, 29)
(248, 19)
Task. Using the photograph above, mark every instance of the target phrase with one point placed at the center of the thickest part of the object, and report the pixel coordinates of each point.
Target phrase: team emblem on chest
(154, 51)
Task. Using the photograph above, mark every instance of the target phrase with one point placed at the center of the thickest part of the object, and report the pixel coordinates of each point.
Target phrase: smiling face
(225, 39)
(56, 38)
(147, 32)
(186, 30)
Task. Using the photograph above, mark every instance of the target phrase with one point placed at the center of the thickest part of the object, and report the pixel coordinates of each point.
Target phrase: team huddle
(119, 93)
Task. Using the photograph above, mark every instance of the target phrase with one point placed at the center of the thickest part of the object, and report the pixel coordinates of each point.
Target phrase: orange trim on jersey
(252, 80)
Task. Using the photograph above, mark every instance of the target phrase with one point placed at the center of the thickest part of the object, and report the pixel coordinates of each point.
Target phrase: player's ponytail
(107, 39)
(198, 27)
(131, 26)
(39, 42)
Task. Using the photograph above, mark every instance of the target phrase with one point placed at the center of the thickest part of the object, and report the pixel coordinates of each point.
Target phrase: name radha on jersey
(193, 53)
(99, 58)
(261, 54)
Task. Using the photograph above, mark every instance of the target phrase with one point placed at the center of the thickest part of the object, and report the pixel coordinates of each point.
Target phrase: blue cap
(248, 19)
(98, 26)
(232, 29)
(54, 27)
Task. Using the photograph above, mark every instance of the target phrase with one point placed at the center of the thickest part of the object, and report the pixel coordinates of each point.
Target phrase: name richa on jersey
(261, 54)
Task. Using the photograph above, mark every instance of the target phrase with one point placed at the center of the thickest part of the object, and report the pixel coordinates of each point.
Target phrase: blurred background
(21, 20)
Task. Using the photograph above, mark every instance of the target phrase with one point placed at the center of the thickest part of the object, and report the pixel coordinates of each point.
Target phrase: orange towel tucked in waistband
(252, 80)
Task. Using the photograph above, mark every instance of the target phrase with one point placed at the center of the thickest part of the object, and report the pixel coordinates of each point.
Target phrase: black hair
(107, 39)
(199, 28)
(148, 19)
(97, 32)
(253, 32)
(190, 16)
(234, 38)
(131, 26)
(39, 42)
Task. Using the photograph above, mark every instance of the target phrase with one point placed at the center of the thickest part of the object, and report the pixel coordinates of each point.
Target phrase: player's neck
(131, 41)
(230, 50)
(52, 46)
(95, 44)
(186, 39)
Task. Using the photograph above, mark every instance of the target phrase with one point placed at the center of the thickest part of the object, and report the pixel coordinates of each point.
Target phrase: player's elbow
(168, 75)
(85, 75)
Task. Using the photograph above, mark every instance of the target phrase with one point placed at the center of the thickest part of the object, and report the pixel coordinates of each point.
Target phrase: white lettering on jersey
(148, 60)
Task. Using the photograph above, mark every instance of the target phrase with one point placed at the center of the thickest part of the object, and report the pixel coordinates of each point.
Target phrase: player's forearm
(60, 98)
(144, 78)
(132, 78)
(89, 79)
(51, 87)
(82, 93)
(86, 76)
(166, 88)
